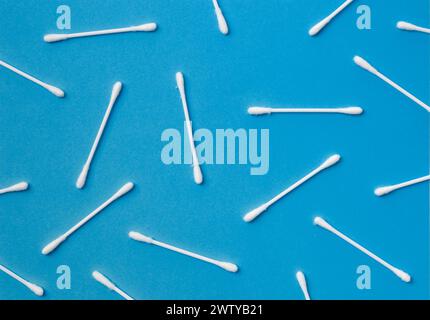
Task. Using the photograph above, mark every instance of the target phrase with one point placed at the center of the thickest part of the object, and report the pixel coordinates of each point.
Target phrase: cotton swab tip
(318, 221)
(140, 237)
(116, 89)
(103, 280)
(198, 176)
(147, 27)
(231, 267)
(38, 291)
(383, 191)
(180, 79)
(55, 91)
(402, 275)
(54, 37)
(80, 183)
(352, 110)
(256, 111)
(22, 186)
(364, 64)
(250, 216)
(331, 161)
(318, 27)
(53, 245)
(406, 26)
(124, 189)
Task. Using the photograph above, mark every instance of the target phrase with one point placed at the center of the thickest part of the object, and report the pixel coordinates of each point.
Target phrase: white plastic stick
(222, 23)
(385, 190)
(22, 186)
(80, 183)
(54, 90)
(301, 279)
(54, 244)
(148, 27)
(33, 287)
(256, 111)
(320, 25)
(411, 27)
(250, 216)
(323, 224)
(197, 172)
(367, 66)
(142, 238)
(109, 284)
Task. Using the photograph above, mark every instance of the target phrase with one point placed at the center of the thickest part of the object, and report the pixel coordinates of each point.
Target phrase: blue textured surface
(267, 59)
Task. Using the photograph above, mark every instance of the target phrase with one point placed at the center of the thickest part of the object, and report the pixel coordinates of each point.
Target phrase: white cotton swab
(109, 284)
(142, 238)
(411, 27)
(323, 224)
(33, 287)
(367, 66)
(250, 216)
(80, 183)
(222, 23)
(197, 172)
(54, 90)
(301, 279)
(385, 190)
(54, 244)
(22, 186)
(256, 111)
(147, 27)
(320, 25)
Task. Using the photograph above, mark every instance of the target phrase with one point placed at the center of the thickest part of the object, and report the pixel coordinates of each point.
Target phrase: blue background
(267, 59)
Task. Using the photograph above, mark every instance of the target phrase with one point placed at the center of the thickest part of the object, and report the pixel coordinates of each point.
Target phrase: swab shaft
(410, 182)
(54, 244)
(56, 91)
(185, 252)
(405, 277)
(339, 9)
(405, 92)
(36, 289)
(100, 32)
(181, 86)
(122, 293)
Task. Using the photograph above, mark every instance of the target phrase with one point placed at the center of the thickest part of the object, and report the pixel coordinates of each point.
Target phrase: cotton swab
(54, 90)
(22, 186)
(224, 265)
(80, 183)
(33, 287)
(109, 284)
(323, 224)
(385, 190)
(54, 244)
(411, 27)
(197, 172)
(300, 276)
(250, 216)
(367, 66)
(320, 25)
(222, 23)
(256, 111)
(147, 27)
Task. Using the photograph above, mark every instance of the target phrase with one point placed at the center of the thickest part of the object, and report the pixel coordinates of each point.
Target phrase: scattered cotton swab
(300, 276)
(256, 212)
(54, 244)
(35, 288)
(323, 224)
(54, 90)
(224, 265)
(148, 27)
(109, 284)
(320, 25)
(256, 111)
(411, 27)
(367, 66)
(198, 176)
(222, 24)
(385, 190)
(22, 186)
(80, 183)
